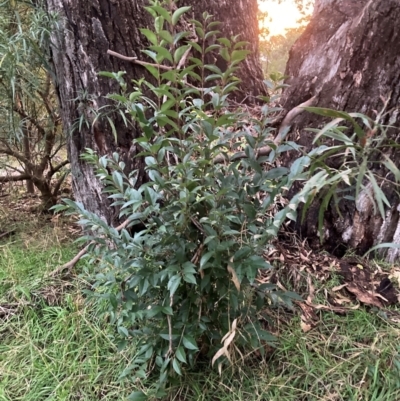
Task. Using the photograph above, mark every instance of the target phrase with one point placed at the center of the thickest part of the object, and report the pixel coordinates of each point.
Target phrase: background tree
(30, 127)
(348, 57)
(79, 51)
(275, 49)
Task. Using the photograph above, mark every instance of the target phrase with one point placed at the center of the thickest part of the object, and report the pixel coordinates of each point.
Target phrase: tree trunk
(87, 30)
(349, 57)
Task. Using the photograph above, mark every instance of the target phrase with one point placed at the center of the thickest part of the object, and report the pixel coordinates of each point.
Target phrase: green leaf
(200, 32)
(161, 11)
(205, 258)
(168, 104)
(137, 396)
(240, 44)
(181, 354)
(239, 55)
(114, 131)
(212, 33)
(162, 53)
(211, 48)
(167, 310)
(150, 161)
(151, 54)
(242, 253)
(159, 24)
(179, 52)
(123, 331)
(339, 115)
(173, 284)
(213, 68)
(189, 343)
(189, 278)
(225, 54)
(224, 41)
(117, 178)
(166, 36)
(275, 173)
(379, 195)
(176, 366)
(150, 35)
(383, 245)
(392, 167)
(177, 14)
(179, 36)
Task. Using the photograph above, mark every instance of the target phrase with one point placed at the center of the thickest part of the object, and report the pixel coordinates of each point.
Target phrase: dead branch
(136, 61)
(7, 234)
(69, 265)
(15, 178)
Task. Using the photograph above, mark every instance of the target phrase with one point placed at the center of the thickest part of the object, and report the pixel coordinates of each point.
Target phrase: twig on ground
(69, 265)
(7, 234)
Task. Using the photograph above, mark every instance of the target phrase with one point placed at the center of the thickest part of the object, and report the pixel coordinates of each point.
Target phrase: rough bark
(238, 18)
(87, 30)
(349, 56)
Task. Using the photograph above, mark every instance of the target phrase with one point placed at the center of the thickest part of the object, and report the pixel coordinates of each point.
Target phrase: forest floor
(341, 343)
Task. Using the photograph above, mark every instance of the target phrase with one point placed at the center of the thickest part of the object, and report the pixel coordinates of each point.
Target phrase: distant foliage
(30, 127)
(274, 50)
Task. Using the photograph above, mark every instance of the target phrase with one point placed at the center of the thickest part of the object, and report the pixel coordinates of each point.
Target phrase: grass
(353, 357)
(53, 346)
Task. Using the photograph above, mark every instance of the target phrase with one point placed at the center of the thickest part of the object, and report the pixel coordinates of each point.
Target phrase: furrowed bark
(349, 56)
(79, 51)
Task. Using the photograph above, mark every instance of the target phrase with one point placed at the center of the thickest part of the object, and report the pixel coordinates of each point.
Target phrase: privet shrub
(179, 279)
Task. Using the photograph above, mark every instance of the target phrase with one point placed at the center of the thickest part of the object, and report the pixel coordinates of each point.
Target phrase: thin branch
(54, 170)
(69, 265)
(49, 144)
(136, 61)
(58, 184)
(7, 233)
(14, 178)
(21, 111)
(266, 150)
(60, 166)
(9, 167)
(10, 152)
(292, 115)
(60, 146)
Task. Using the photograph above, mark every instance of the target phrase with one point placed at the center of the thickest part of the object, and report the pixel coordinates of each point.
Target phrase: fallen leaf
(363, 295)
(305, 327)
(339, 287)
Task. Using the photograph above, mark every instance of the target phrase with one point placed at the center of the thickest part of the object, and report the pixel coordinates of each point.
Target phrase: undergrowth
(52, 346)
(56, 348)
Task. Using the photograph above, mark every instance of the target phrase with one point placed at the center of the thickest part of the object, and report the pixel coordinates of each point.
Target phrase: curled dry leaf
(234, 277)
(363, 295)
(227, 339)
(309, 319)
(305, 326)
